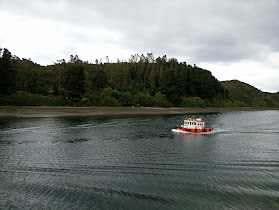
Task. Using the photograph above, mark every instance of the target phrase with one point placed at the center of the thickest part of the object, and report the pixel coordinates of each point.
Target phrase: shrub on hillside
(23, 98)
(160, 100)
(110, 101)
(192, 102)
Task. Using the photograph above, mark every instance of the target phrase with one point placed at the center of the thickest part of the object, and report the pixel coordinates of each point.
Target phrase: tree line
(141, 81)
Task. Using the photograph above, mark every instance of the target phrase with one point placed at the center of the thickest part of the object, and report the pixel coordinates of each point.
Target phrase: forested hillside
(245, 95)
(141, 81)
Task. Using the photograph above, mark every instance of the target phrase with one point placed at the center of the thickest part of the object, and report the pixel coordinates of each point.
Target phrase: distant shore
(27, 112)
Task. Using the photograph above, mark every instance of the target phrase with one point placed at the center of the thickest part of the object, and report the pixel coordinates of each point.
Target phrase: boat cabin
(191, 123)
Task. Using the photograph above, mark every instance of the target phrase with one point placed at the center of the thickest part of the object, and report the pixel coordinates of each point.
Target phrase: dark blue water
(137, 162)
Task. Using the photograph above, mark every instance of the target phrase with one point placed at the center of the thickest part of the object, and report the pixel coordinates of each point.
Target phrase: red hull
(195, 130)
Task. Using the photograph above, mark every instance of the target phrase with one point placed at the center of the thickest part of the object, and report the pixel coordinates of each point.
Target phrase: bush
(143, 99)
(111, 93)
(51, 100)
(192, 102)
(160, 100)
(23, 98)
(219, 101)
(110, 101)
(127, 99)
(96, 99)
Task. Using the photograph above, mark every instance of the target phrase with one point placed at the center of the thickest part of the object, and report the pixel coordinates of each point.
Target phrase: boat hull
(188, 130)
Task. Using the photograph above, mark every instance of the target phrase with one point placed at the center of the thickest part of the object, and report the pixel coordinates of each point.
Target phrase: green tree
(152, 79)
(7, 73)
(160, 100)
(57, 74)
(127, 99)
(110, 97)
(192, 102)
(170, 86)
(100, 80)
(36, 82)
(75, 80)
(142, 99)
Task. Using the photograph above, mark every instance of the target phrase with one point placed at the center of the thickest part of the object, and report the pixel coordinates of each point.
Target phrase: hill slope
(245, 95)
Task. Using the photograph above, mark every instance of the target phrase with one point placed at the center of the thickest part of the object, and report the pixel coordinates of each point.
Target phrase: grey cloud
(205, 31)
(216, 31)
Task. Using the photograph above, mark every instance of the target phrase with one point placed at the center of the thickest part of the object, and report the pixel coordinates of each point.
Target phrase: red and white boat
(193, 125)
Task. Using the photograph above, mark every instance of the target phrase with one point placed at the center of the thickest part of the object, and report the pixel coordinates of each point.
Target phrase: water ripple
(136, 162)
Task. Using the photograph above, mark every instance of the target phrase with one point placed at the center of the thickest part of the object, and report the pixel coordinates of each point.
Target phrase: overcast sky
(234, 39)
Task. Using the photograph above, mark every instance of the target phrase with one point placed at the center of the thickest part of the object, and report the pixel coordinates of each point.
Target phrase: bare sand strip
(26, 111)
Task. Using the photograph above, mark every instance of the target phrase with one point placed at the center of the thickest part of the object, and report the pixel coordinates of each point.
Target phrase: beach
(34, 111)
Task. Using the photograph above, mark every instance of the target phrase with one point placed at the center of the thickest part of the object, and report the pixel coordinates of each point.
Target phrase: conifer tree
(75, 80)
(7, 73)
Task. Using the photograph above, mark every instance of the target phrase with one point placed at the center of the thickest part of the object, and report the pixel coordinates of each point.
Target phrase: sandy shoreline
(10, 111)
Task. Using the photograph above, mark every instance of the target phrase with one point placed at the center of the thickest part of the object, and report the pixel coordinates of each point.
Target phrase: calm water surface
(136, 162)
